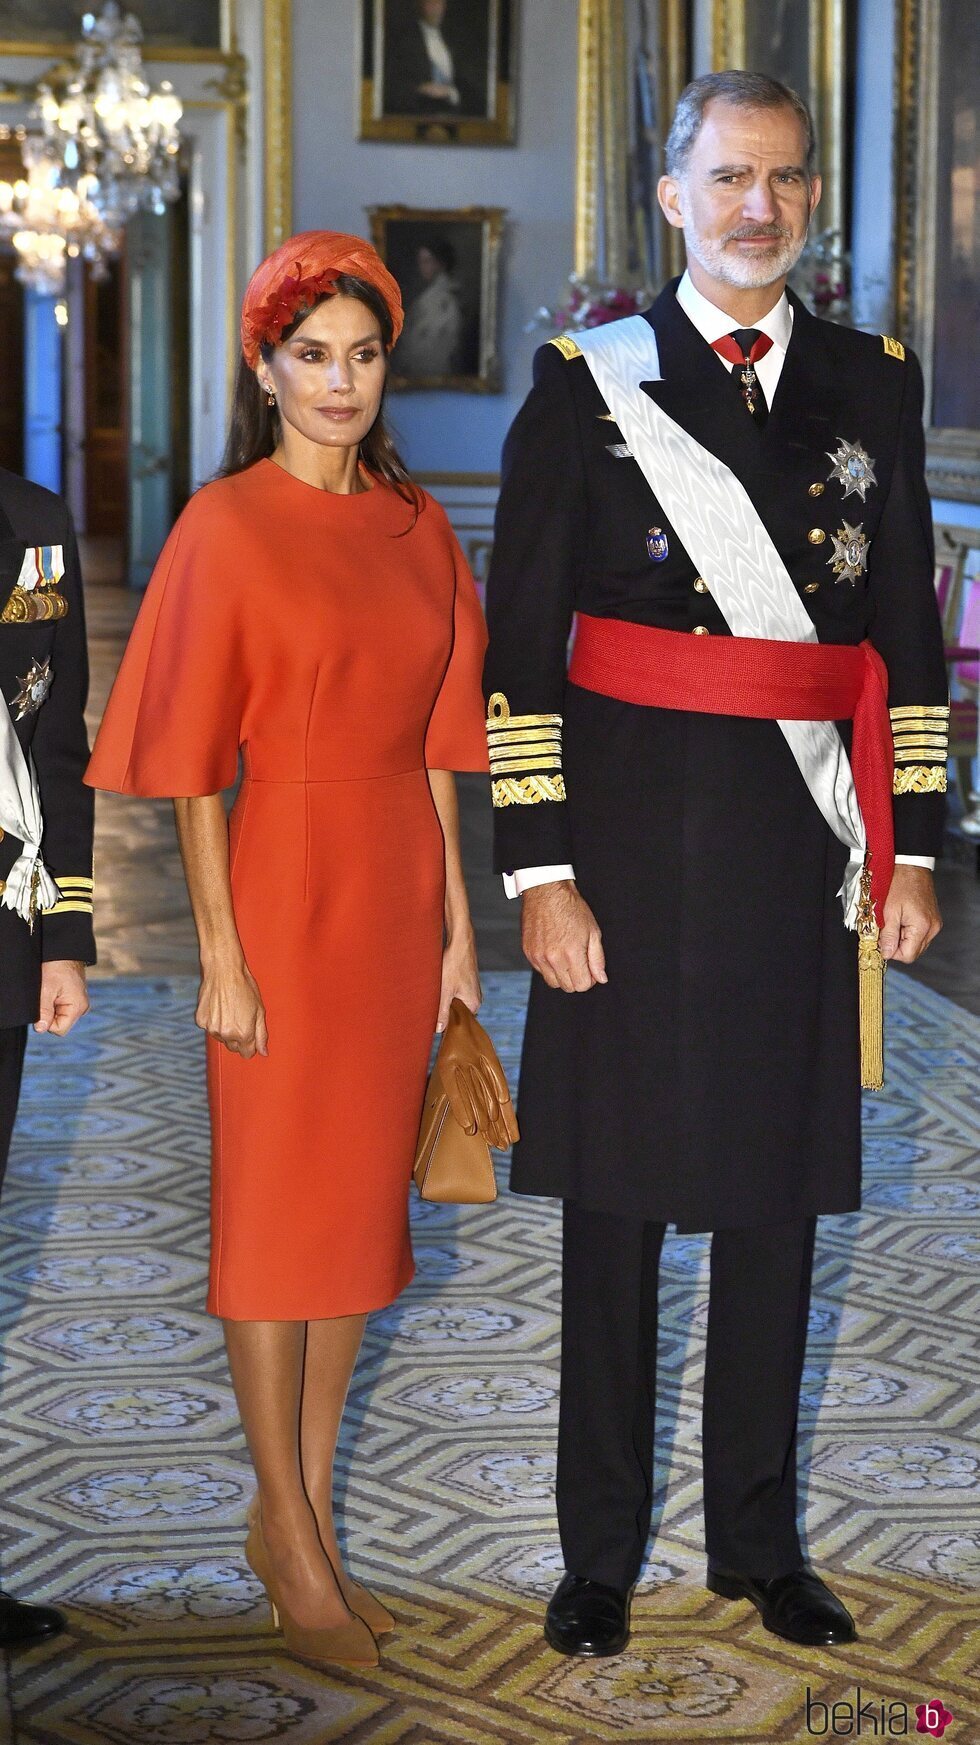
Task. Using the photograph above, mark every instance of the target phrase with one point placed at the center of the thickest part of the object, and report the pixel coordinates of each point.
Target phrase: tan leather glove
(474, 1081)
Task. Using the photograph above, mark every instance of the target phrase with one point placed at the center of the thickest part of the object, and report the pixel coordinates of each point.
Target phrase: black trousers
(757, 1322)
(13, 1042)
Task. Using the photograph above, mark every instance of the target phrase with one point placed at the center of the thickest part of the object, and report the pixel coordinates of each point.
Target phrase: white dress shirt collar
(712, 322)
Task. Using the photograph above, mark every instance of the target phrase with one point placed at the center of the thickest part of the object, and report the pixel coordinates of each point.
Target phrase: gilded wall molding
(952, 456)
(603, 131)
(826, 57)
(277, 95)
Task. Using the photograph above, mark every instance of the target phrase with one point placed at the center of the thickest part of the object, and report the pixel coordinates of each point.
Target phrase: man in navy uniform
(692, 1045)
(46, 818)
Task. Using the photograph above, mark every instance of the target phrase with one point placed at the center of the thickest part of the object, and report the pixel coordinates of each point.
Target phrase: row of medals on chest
(853, 468)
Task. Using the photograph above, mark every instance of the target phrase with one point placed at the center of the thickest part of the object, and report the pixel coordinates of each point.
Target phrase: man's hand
(912, 917)
(561, 937)
(64, 998)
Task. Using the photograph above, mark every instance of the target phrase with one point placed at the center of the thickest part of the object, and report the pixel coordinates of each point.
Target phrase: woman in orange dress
(313, 612)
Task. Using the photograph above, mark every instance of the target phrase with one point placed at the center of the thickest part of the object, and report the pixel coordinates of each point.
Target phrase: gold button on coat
(817, 490)
(816, 536)
(701, 630)
(701, 586)
(811, 587)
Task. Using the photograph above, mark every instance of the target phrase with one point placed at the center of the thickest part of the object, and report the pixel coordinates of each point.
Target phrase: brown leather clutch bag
(467, 1109)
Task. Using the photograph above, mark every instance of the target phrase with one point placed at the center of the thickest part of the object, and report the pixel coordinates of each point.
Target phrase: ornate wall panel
(937, 227)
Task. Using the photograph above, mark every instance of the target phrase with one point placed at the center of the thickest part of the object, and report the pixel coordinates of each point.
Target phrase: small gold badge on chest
(853, 468)
(34, 687)
(849, 557)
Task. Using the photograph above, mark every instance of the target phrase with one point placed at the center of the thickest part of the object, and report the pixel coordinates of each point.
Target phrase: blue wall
(42, 391)
(336, 176)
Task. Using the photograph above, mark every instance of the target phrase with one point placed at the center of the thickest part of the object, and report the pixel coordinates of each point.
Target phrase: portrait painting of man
(437, 71)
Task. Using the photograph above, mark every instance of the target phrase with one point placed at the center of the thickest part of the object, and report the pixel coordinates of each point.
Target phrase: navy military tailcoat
(44, 682)
(714, 1081)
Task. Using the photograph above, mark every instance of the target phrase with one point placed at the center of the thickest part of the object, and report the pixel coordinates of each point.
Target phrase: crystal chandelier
(48, 222)
(109, 128)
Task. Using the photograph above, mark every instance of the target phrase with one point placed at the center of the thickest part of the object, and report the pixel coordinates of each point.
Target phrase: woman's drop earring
(271, 399)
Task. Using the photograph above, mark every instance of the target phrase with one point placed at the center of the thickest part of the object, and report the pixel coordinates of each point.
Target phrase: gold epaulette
(75, 895)
(519, 744)
(893, 347)
(566, 346)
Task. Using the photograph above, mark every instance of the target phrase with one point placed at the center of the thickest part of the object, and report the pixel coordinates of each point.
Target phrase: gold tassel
(871, 977)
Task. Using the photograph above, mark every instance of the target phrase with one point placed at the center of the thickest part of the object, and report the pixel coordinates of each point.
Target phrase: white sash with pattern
(725, 537)
(20, 816)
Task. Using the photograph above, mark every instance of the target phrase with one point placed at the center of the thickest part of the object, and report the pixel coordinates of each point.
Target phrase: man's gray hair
(744, 91)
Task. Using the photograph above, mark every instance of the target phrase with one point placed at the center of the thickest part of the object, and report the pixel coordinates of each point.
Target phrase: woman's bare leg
(267, 1360)
(331, 1352)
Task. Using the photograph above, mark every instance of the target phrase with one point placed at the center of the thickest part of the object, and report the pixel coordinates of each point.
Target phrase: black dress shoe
(20, 1623)
(799, 1607)
(587, 1617)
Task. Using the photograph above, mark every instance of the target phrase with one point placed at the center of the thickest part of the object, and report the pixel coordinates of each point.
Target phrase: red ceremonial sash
(772, 681)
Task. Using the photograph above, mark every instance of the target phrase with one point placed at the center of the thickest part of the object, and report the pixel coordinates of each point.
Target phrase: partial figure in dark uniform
(46, 813)
(701, 816)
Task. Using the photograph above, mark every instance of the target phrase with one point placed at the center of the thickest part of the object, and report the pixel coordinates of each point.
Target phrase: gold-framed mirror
(803, 43)
(937, 230)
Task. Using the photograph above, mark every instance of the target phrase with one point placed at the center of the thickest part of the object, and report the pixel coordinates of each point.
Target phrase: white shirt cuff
(526, 877)
(926, 860)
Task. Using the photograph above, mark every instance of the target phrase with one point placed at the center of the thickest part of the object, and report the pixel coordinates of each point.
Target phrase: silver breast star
(850, 554)
(34, 687)
(853, 468)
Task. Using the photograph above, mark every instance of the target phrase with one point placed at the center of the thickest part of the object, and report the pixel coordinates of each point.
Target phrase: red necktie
(744, 347)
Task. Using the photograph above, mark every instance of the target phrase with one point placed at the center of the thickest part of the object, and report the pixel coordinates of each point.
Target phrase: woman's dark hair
(442, 251)
(254, 429)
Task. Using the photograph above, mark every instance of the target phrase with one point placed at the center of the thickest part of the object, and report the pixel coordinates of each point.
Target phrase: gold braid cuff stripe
(529, 792)
(520, 735)
(928, 711)
(920, 778)
(537, 748)
(33, 608)
(526, 763)
(922, 751)
(70, 909)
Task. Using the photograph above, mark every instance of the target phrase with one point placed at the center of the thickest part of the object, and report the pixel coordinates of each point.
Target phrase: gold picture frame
(161, 51)
(447, 264)
(483, 111)
(767, 32)
(231, 86)
(924, 264)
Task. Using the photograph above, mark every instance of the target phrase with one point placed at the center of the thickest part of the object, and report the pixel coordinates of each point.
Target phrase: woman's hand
(460, 976)
(230, 1009)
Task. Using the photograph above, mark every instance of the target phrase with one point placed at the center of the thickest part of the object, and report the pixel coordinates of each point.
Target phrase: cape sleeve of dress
(172, 726)
(456, 737)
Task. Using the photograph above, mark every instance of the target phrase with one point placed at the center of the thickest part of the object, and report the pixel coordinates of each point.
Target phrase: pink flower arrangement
(592, 306)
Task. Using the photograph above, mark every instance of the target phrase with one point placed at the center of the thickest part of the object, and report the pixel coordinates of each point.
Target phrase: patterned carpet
(124, 1481)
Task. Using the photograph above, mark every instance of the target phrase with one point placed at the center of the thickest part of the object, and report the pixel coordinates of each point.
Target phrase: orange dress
(339, 648)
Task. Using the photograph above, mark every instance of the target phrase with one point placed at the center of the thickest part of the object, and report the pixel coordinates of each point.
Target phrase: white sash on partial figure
(30, 887)
(726, 539)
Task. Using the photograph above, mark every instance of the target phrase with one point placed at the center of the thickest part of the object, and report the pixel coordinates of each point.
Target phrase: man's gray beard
(735, 269)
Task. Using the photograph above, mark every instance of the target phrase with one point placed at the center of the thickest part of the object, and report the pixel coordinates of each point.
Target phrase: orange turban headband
(304, 268)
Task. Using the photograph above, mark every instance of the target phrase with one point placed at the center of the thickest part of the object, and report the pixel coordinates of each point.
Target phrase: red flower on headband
(304, 268)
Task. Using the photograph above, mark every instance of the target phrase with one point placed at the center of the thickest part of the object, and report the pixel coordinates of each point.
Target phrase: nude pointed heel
(362, 1602)
(350, 1645)
(367, 1606)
